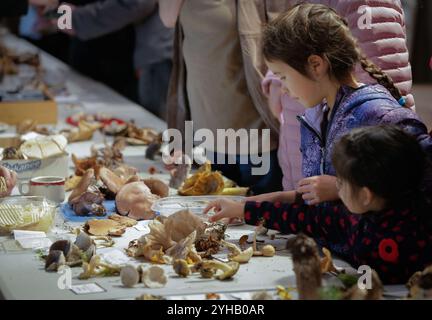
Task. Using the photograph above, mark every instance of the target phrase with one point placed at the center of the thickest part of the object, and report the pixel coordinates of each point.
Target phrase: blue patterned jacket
(365, 106)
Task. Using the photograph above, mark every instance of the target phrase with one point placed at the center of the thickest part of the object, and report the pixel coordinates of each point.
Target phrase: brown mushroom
(82, 186)
(307, 267)
(111, 180)
(157, 187)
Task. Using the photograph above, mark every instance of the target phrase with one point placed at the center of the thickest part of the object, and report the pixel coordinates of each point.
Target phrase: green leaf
(348, 280)
(330, 293)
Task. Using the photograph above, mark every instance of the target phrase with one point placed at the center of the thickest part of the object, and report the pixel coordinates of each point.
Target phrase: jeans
(243, 176)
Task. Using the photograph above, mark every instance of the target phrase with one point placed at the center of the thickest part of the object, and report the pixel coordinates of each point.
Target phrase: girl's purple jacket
(365, 106)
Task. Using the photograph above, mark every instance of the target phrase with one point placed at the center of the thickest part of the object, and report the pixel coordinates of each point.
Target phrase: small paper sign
(87, 288)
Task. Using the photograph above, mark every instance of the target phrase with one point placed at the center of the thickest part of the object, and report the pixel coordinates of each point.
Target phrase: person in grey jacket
(14, 8)
(153, 42)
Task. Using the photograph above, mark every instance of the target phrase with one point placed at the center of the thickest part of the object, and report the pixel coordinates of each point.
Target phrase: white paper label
(115, 257)
(35, 243)
(24, 234)
(87, 288)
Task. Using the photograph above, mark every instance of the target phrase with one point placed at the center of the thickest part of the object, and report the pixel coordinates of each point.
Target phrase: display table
(22, 274)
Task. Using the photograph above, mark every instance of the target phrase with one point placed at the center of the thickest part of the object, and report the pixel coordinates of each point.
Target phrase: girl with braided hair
(311, 49)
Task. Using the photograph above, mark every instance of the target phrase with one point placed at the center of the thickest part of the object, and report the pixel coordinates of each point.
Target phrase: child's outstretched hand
(225, 209)
(318, 189)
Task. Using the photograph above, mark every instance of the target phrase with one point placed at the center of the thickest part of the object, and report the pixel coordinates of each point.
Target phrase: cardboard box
(27, 169)
(44, 112)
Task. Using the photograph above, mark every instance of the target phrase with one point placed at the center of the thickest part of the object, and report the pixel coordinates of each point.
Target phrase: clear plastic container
(26, 213)
(196, 204)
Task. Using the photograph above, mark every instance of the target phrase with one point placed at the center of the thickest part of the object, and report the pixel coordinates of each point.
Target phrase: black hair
(387, 160)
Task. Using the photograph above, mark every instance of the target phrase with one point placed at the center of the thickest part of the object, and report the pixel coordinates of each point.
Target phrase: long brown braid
(314, 29)
(380, 76)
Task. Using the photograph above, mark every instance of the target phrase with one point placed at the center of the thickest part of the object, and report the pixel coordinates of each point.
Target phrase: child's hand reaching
(225, 209)
(318, 189)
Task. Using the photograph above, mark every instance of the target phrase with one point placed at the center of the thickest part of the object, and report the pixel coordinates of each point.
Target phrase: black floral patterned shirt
(394, 242)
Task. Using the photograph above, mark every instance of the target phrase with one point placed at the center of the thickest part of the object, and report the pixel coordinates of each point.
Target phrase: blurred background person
(218, 68)
(422, 42)
(124, 43)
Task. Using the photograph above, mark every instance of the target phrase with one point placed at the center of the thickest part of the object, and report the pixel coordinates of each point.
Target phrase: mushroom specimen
(173, 238)
(307, 267)
(157, 187)
(154, 277)
(85, 201)
(84, 131)
(44, 147)
(104, 228)
(327, 264)
(64, 252)
(374, 293)
(97, 268)
(12, 153)
(261, 295)
(420, 284)
(266, 251)
(135, 200)
(181, 268)
(203, 182)
(236, 254)
(209, 242)
(220, 270)
(89, 203)
(129, 276)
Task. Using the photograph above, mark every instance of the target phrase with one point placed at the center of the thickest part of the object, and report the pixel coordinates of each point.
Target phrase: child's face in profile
(354, 201)
(296, 85)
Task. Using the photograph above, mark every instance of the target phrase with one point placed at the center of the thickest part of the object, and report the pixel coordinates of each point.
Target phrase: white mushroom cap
(129, 276)
(154, 277)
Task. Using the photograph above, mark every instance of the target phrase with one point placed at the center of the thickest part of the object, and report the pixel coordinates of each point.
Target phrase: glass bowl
(26, 213)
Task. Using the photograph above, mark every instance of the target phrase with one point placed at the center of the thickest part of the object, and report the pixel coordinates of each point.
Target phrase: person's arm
(103, 17)
(281, 196)
(169, 10)
(331, 223)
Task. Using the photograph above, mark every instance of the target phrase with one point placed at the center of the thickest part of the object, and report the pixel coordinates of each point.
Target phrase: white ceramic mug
(50, 187)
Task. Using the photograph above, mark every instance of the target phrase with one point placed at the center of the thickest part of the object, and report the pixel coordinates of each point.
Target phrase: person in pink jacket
(379, 27)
